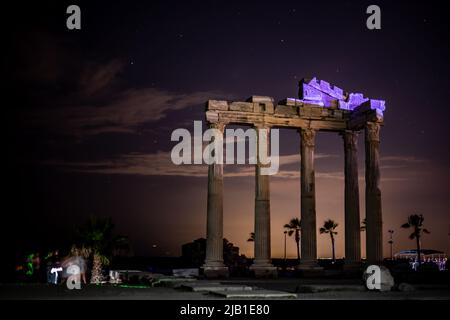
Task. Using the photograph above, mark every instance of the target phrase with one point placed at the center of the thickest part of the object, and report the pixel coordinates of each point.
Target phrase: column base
(266, 270)
(215, 271)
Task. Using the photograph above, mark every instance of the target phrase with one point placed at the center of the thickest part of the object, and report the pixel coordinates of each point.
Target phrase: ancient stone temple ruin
(320, 107)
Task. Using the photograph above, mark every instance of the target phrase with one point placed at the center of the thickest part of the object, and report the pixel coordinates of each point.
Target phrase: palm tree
(328, 227)
(252, 237)
(293, 228)
(97, 238)
(363, 225)
(415, 221)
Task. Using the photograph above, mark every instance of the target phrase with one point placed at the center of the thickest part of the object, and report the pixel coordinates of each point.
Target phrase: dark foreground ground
(314, 289)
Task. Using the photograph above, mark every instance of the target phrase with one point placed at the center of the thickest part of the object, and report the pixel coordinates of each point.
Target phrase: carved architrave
(308, 136)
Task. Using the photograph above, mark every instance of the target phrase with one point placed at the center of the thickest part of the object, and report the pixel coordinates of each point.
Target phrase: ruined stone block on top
(291, 102)
(262, 104)
(311, 111)
(260, 99)
(217, 105)
(371, 106)
(286, 110)
(263, 107)
(241, 106)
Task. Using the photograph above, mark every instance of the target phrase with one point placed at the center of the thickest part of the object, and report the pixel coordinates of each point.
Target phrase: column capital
(308, 136)
(217, 125)
(350, 139)
(373, 131)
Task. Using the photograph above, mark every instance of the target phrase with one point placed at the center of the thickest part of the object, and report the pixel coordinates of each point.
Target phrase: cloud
(402, 159)
(96, 78)
(160, 164)
(97, 100)
(125, 113)
(402, 164)
(295, 158)
(156, 164)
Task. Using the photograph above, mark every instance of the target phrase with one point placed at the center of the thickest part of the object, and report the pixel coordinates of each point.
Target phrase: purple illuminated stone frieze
(321, 93)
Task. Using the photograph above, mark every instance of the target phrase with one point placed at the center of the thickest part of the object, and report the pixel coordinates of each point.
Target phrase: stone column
(308, 201)
(352, 219)
(262, 265)
(374, 228)
(214, 266)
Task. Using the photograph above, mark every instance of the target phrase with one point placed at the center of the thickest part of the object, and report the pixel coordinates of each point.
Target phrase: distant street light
(391, 243)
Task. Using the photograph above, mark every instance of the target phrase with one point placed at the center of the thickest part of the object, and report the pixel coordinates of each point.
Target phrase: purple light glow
(378, 105)
(354, 100)
(321, 93)
(324, 87)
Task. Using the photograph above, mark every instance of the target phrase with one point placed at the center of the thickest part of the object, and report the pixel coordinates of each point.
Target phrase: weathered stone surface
(263, 107)
(286, 110)
(278, 120)
(352, 216)
(260, 99)
(358, 119)
(321, 93)
(214, 266)
(371, 105)
(291, 102)
(337, 114)
(262, 265)
(217, 105)
(242, 106)
(212, 116)
(309, 111)
(374, 229)
(308, 200)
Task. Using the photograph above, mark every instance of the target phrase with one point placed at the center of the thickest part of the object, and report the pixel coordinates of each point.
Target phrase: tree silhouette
(415, 221)
(252, 237)
(329, 227)
(97, 240)
(293, 228)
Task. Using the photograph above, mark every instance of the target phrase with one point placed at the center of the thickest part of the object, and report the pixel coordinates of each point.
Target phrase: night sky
(89, 114)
